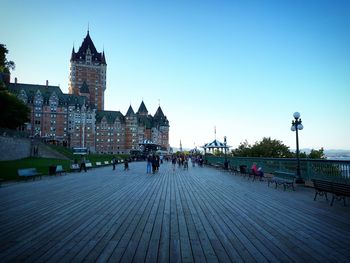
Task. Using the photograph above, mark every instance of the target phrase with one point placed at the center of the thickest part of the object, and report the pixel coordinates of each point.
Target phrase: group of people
(153, 163)
(115, 162)
(257, 171)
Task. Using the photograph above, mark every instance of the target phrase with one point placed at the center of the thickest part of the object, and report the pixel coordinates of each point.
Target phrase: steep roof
(46, 92)
(159, 118)
(215, 144)
(88, 44)
(130, 111)
(111, 116)
(159, 113)
(142, 109)
(146, 121)
(31, 90)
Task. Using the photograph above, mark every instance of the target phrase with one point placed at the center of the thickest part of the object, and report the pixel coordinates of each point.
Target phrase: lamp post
(296, 125)
(225, 144)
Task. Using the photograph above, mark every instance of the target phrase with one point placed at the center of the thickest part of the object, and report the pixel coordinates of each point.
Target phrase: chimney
(47, 83)
(16, 80)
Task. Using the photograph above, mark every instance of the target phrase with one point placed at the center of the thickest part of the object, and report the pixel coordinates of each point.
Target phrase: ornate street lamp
(296, 125)
(225, 143)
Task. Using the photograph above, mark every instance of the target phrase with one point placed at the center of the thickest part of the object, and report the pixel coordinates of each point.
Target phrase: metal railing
(332, 170)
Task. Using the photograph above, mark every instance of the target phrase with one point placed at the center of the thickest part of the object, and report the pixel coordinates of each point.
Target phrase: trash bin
(52, 169)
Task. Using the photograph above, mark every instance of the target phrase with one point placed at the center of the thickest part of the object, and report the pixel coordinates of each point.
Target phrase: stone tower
(88, 73)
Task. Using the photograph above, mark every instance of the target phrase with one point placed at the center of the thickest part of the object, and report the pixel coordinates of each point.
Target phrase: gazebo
(223, 147)
(148, 147)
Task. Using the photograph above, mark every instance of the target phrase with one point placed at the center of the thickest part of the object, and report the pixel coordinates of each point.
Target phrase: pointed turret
(130, 111)
(159, 113)
(142, 109)
(103, 58)
(73, 54)
(83, 50)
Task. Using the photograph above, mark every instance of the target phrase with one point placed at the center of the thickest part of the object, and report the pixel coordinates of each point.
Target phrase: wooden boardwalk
(199, 215)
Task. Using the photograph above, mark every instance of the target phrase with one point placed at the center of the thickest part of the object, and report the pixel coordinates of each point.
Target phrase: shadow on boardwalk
(201, 215)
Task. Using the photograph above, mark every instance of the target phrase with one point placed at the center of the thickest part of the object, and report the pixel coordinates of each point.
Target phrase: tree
(265, 148)
(5, 67)
(14, 113)
(317, 154)
(270, 148)
(243, 150)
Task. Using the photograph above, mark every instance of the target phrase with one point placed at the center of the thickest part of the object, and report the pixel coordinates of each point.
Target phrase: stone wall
(14, 148)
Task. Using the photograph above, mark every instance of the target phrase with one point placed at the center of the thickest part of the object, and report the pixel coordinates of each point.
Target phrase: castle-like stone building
(78, 119)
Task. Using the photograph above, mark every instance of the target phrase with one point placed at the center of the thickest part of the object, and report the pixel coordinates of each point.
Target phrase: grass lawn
(8, 169)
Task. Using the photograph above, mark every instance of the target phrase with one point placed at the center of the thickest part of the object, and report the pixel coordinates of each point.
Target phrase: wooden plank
(202, 215)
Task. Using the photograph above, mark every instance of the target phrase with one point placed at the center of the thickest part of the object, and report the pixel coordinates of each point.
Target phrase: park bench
(243, 170)
(74, 167)
(88, 165)
(255, 175)
(218, 165)
(98, 164)
(106, 163)
(282, 178)
(233, 169)
(59, 170)
(28, 173)
(338, 190)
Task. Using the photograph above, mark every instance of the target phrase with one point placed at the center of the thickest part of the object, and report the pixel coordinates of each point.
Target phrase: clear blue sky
(242, 66)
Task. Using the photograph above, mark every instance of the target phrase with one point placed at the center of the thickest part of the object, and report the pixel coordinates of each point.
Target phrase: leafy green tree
(243, 150)
(5, 65)
(14, 113)
(270, 148)
(265, 148)
(317, 154)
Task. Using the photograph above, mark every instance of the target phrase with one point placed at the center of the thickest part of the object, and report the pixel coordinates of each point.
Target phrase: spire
(142, 109)
(103, 58)
(88, 44)
(159, 113)
(130, 111)
(73, 54)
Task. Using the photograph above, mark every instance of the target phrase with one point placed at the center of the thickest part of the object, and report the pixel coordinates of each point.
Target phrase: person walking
(114, 162)
(149, 164)
(126, 165)
(82, 164)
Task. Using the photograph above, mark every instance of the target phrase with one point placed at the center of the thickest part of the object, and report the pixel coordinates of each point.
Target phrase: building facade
(88, 73)
(78, 119)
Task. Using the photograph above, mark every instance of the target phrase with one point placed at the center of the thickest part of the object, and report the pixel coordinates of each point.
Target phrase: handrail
(333, 170)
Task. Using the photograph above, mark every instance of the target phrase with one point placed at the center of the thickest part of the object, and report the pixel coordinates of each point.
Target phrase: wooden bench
(74, 167)
(255, 174)
(243, 170)
(60, 170)
(233, 169)
(338, 190)
(98, 164)
(282, 178)
(28, 173)
(88, 165)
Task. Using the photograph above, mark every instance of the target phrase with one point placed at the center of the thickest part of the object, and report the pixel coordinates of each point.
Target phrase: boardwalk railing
(333, 170)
